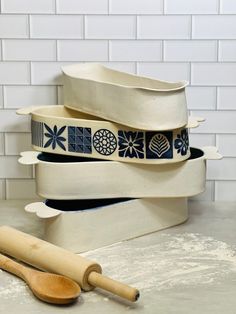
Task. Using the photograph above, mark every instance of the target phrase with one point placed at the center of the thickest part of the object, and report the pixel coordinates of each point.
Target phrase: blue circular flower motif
(54, 137)
(104, 141)
(131, 144)
(182, 142)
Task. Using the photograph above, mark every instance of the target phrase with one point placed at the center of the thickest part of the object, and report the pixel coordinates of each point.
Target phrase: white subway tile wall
(191, 6)
(191, 40)
(164, 27)
(14, 26)
(21, 189)
(82, 50)
(226, 98)
(28, 50)
(15, 143)
(227, 7)
(227, 50)
(165, 70)
(135, 50)
(23, 96)
(110, 26)
(28, 6)
(56, 26)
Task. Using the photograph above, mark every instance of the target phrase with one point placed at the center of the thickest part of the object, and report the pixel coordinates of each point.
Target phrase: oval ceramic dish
(66, 178)
(135, 101)
(59, 130)
(79, 230)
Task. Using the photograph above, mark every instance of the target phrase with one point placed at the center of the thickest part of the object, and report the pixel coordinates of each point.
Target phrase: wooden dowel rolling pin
(48, 257)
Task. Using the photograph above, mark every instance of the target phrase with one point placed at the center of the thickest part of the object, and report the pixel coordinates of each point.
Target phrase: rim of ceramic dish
(87, 159)
(98, 65)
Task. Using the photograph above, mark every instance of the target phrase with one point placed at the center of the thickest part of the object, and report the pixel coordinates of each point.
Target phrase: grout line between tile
(29, 25)
(4, 189)
(109, 50)
(213, 191)
(163, 46)
(84, 26)
(164, 7)
(30, 73)
(4, 143)
(191, 26)
(218, 51)
(137, 27)
(56, 7)
(217, 97)
(2, 50)
(57, 52)
(3, 97)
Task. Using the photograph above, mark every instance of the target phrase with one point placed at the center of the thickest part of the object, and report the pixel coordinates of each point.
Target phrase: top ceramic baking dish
(60, 130)
(136, 101)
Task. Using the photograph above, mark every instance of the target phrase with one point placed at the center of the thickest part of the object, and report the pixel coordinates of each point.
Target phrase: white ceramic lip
(135, 101)
(100, 179)
(76, 71)
(84, 136)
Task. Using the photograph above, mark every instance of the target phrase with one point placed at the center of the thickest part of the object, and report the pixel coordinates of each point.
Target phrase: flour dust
(157, 262)
(174, 260)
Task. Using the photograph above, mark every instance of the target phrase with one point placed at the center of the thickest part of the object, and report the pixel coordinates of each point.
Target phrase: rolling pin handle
(122, 290)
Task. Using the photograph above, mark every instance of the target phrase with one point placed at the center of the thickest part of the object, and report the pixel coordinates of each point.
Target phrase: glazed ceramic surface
(78, 230)
(61, 177)
(135, 101)
(59, 130)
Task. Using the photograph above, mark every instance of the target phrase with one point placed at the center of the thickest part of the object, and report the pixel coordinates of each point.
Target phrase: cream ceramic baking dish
(105, 223)
(59, 130)
(136, 101)
(67, 178)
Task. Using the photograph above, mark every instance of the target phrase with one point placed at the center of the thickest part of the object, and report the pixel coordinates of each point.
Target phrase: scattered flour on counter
(174, 260)
(12, 287)
(171, 260)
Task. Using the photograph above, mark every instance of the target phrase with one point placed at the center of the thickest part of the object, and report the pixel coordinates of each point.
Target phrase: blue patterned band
(126, 144)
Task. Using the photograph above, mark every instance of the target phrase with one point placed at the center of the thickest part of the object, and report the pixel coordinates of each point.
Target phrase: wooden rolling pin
(48, 257)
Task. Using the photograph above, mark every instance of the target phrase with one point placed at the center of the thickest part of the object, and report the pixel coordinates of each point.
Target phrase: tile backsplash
(166, 39)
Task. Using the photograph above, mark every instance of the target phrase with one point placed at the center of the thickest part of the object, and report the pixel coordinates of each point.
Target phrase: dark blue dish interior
(195, 153)
(75, 205)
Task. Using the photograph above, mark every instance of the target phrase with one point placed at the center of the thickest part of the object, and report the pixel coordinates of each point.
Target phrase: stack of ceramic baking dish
(114, 162)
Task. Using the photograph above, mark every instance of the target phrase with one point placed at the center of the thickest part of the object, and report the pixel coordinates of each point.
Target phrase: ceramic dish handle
(211, 152)
(42, 210)
(194, 122)
(28, 110)
(29, 158)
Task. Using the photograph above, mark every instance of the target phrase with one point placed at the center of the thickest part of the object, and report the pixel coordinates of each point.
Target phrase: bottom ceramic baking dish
(67, 178)
(90, 224)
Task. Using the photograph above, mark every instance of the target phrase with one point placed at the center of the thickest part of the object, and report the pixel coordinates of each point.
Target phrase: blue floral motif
(54, 137)
(182, 142)
(131, 144)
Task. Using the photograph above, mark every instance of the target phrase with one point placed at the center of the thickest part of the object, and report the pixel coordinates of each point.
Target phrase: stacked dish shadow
(114, 162)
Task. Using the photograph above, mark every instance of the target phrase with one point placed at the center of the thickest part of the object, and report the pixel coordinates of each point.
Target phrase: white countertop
(188, 269)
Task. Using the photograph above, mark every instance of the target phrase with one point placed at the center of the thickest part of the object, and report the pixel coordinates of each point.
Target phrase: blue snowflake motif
(54, 137)
(131, 144)
(182, 142)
